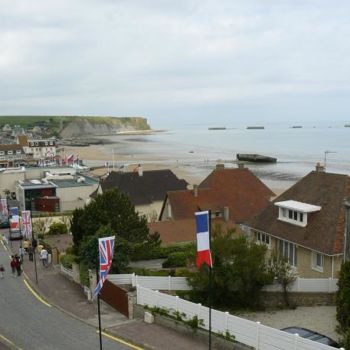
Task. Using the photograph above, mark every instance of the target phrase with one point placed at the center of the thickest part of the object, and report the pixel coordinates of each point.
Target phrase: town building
(306, 224)
(235, 194)
(12, 155)
(145, 189)
(41, 149)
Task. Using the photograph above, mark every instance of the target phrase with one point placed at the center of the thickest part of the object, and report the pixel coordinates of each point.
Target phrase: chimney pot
(319, 168)
(220, 166)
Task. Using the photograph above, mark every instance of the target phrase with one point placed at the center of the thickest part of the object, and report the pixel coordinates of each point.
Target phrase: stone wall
(275, 299)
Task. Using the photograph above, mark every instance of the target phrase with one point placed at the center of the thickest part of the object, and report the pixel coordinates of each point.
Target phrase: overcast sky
(177, 60)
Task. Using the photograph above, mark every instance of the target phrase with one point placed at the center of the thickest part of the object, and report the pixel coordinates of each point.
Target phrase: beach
(126, 153)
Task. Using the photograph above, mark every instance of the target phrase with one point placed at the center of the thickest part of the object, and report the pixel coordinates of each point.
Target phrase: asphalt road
(30, 324)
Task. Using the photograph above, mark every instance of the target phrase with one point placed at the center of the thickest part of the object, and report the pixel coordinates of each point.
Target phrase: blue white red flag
(14, 221)
(26, 223)
(203, 241)
(106, 250)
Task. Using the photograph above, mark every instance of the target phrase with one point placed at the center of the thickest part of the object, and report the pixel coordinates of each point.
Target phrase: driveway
(321, 319)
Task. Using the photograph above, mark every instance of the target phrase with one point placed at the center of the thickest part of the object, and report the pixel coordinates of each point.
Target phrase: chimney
(240, 165)
(319, 168)
(139, 170)
(226, 214)
(220, 166)
(195, 190)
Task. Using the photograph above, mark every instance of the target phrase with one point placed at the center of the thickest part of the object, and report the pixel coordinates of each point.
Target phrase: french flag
(14, 222)
(203, 241)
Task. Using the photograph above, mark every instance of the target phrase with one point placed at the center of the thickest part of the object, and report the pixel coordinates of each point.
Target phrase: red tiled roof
(181, 231)
(325, 229)
(238, 189)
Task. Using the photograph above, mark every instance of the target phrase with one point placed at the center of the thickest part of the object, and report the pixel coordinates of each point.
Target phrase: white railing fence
(316, 285)
(67, 272)
(151, 282)
(247, 332)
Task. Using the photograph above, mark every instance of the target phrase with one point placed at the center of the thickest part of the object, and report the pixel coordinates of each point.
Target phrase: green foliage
(156, 251)
(238, 275)
(58, 228)
(195, 323)
(343, 298)
(281, 270)
(67, 260)
(84, 275)
(177, 259)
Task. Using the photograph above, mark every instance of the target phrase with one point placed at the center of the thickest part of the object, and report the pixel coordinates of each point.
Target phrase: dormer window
(295, 212)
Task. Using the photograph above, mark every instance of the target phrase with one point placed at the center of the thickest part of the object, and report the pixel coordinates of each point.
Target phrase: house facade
(41, 149)
(235, 194)
(306, 224)
(12, 155)
(145, 189)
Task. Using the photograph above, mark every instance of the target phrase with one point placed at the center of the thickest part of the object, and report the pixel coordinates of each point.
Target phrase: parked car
(311, 335)
(4, 223)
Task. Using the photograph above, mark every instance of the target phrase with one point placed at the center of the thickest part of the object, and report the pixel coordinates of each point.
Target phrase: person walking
(44, 255)
(2, 272)
(18, 265)
(13, 265)
(21, 252)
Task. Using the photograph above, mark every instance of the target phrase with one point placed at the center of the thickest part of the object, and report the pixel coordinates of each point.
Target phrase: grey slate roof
(151, 186)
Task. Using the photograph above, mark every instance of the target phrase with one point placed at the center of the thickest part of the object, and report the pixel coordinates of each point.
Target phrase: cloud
(158, 57)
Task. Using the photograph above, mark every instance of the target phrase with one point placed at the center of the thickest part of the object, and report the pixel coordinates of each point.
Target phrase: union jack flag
(106, 250)
(3, 205)
(27, 223)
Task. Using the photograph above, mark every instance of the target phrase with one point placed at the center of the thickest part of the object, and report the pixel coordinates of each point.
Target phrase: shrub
(178, 259)
(343, 298)
(67, 260)
(84, 275)
(58, 228)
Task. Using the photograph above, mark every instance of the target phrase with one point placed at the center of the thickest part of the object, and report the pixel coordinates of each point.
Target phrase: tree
(238, 275)
(284, 274)
(109, 214)
(343, 298)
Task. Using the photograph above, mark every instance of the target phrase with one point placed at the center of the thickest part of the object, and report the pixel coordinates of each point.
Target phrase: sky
(177, 61)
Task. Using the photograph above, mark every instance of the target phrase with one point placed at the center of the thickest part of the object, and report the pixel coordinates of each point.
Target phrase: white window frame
(2, 153)
(301, 218)
(289, 251)
(314, 264)
(263, 238)
(10, 152)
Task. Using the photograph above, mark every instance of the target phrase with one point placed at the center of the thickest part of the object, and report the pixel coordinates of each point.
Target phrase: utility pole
(346, 252)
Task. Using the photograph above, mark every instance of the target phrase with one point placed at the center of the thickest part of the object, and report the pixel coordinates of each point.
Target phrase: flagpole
(98, 309)
(34, 248)
(210, 282)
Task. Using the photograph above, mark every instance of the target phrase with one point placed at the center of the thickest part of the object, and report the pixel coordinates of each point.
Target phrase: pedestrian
(44, 255)
(13, 265)
(2, 272)
(18, 265)
(26, 245)
(21, 253)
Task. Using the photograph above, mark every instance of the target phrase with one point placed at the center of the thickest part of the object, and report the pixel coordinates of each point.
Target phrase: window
(2, 153)
(317, 261)
(289, 251)
(18, 151)
(263, 238)
(9, 152)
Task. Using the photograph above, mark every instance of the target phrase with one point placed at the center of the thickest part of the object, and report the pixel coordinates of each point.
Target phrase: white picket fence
(317, 285)
(247, 332)
(67, 272)
(308, 285)
(152, 282)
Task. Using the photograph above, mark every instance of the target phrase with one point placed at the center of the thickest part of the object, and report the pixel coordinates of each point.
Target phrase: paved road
(30, 324)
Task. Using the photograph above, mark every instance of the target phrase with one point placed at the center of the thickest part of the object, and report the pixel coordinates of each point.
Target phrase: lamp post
(346, 254)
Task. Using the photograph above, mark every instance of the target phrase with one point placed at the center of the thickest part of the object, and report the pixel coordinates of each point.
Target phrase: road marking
(10, 342)
(3, 244)
(132, 346)
(36, 294)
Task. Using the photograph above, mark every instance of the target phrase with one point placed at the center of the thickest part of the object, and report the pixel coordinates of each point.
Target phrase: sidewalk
(68, 296)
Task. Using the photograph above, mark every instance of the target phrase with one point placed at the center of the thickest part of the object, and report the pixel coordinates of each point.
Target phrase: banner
(14, 220)
(27, 224)
(203, 240)
(106, 251)
(3, 207)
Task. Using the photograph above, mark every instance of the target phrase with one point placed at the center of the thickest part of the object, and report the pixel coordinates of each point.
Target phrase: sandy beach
(128, 154)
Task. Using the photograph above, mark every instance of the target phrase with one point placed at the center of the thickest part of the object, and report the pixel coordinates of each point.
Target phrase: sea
(297, 148)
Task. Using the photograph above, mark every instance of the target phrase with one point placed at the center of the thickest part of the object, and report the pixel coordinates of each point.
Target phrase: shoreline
(127, 156)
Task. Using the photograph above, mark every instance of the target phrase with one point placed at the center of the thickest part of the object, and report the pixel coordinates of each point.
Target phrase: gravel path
(321, 319)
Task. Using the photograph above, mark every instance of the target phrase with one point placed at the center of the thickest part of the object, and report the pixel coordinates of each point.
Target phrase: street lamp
(346, 254)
